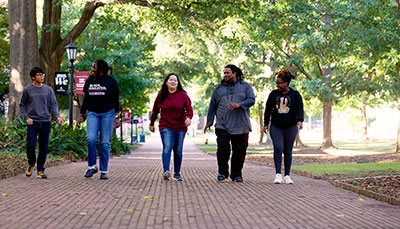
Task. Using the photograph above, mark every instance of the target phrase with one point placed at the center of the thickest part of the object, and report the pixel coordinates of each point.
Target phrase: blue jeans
(43, 130)
(172, 140)
(103, 122)
(283, 140)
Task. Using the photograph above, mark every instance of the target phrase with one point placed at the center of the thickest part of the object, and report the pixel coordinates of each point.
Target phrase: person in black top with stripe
(284, 109)
(101, 102)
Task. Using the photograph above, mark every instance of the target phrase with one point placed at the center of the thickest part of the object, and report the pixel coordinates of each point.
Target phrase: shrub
(62, 141)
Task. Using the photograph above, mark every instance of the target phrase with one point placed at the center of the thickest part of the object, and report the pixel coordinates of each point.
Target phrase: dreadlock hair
(285, 75)
(164, 88)
(102, 67)
(235, 69)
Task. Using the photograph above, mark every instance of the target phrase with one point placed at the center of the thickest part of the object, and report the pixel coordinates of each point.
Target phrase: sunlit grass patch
(351, 170)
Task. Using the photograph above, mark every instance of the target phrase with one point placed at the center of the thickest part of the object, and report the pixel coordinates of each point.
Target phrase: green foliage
(4, 57)
(118, 147)
(63, 140)
(126, 45)
(13, 135)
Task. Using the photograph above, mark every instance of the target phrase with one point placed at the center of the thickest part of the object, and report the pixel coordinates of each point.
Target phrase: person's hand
(80, 120)
(300, 125)
(152, 129)
(117, 122)
(29, 121)
(188, 121)
(233, 105)
(265, 129)
(206, 127)
(60, 121)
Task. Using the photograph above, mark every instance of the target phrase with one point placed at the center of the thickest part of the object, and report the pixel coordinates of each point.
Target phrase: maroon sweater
(174, 111)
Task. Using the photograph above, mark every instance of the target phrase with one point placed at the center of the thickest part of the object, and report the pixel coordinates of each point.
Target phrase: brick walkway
(135, 196)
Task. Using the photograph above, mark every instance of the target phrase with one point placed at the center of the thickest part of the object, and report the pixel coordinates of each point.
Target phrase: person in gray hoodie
(230, 103)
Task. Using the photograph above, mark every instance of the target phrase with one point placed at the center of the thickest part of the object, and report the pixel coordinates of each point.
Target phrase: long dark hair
(285, 75)
(163, 92)
(103, 67)
(235, 69)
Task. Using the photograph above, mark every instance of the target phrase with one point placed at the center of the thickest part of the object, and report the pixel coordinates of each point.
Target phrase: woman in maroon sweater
(176, 114)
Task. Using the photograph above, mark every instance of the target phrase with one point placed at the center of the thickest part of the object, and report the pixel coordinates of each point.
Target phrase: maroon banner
(80, 79)
(126, 116)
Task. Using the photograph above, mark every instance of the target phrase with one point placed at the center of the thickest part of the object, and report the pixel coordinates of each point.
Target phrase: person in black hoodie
(102, 103)
(284, 108)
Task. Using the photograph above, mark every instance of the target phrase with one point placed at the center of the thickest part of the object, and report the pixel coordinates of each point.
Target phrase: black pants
(239, 144)
(43, 130)
(283, 140)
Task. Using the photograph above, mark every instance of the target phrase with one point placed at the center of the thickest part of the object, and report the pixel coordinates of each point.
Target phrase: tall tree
(24, 49)
(4, 57)
(170, 13)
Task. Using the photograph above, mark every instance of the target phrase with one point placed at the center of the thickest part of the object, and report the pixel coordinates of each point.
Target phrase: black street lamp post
(71, 52)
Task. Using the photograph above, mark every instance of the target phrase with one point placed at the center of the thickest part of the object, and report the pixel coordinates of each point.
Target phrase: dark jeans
(239, 144)
(283, 140)
(43, 130)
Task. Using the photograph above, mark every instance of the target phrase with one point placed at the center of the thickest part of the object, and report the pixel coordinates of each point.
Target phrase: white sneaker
(166, 175)
(278, 179)
(288, 180)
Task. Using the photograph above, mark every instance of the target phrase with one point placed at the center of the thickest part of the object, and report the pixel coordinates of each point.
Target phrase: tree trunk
(52, 46)
(364, 121)
(398, 127)
(297, 142)
(260, 121)
(327, 124)
(50, 59)
(398, 98)
(23, 49)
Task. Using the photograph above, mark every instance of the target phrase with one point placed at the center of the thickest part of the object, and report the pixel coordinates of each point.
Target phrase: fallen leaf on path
(148, 197)
(164, 218)
(360, 199)
(340, 215)
(82, 213)
(177, 213)
(129, 210)
(307, 186)
(5, 194)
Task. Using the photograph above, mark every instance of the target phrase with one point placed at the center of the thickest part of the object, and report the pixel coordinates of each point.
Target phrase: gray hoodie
(236, 121)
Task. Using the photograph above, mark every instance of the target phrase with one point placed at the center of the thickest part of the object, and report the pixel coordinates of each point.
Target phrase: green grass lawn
(212, 149)
(351, 170)
(373, 145)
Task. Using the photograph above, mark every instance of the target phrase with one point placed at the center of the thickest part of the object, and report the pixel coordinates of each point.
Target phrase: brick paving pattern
(136, 196)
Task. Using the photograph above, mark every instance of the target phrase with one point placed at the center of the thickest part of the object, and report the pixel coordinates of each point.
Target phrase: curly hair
(285, 75)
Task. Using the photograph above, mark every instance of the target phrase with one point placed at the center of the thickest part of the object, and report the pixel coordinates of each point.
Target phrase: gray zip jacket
(236, 121)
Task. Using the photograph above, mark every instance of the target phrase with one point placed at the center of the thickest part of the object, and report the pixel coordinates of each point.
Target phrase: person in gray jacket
(37, 103)
(230, 103)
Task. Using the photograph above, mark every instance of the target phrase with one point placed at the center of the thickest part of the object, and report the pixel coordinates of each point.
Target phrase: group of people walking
(229, 107)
